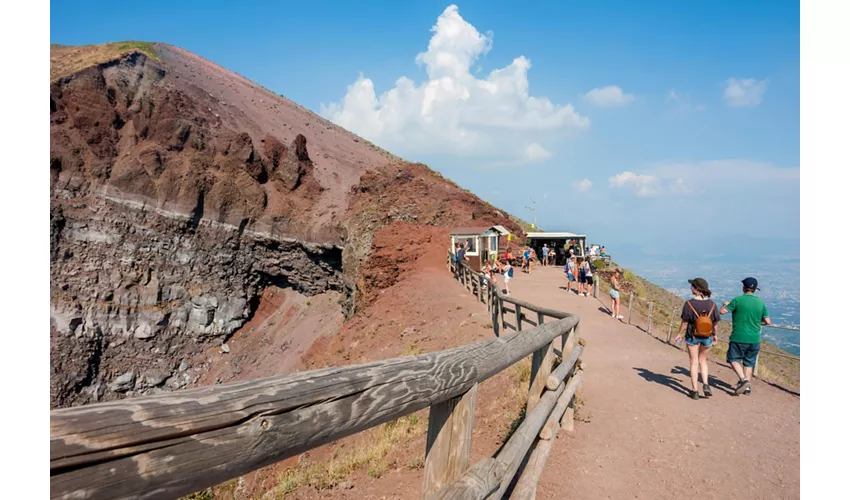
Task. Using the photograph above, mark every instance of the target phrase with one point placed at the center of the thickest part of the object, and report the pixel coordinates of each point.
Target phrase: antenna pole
(533, 209)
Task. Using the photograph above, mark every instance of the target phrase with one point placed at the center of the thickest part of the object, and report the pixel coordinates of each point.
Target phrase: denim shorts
(745, 354)
(699, 341)
(615, 294)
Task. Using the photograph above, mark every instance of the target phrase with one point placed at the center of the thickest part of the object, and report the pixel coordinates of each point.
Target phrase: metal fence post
(649, 324)
(631, 296)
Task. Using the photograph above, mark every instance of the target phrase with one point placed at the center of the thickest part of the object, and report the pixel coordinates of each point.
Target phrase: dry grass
(373, 453)
(520, 374)
(413, 350)
(66, 60)
(226, 490)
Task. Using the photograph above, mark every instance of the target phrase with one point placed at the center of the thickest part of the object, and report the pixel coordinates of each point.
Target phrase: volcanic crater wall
(166, 225)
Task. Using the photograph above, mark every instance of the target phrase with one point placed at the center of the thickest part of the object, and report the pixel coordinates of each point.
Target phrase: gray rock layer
(135, 292)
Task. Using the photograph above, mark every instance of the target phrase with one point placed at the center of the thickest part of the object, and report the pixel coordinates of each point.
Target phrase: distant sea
(778, 277)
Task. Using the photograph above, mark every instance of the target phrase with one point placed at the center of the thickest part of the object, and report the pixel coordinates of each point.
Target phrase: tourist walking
(615, 295)
(588, 277)
(749, 314)
(570, 271)
(508, 272)
(526, 259)
(699, 324)
(581, 279)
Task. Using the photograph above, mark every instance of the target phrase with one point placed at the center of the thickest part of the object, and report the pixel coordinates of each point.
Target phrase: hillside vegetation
(67, 59)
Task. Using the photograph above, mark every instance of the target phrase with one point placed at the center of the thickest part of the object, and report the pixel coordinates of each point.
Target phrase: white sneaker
(612, 315)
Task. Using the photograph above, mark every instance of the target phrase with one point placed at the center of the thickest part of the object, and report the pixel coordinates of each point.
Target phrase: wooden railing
(556, 373)
(173, 444)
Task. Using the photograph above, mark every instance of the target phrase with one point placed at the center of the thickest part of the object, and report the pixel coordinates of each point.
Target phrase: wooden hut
(482, 243)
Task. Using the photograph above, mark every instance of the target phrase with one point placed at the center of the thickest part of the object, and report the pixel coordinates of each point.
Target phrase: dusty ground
(425, 311)
(637, 433)
(642, 437)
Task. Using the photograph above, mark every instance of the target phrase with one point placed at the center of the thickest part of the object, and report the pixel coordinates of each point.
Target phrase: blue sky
(691, 136)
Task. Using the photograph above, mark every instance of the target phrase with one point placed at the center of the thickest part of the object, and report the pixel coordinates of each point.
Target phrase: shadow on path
(713, 381)
(664, 380)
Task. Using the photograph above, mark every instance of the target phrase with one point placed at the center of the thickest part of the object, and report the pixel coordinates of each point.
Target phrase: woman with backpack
(699, 324)
(508, 272)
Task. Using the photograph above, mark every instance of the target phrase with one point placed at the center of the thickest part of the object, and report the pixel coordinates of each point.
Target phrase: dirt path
(640, 436)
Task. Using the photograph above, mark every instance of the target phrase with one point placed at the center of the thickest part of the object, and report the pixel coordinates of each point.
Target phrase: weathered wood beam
(449, 441)
(552, 423)
(560, 373)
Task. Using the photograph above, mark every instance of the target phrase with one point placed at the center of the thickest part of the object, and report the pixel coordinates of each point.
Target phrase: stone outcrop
(141, 291)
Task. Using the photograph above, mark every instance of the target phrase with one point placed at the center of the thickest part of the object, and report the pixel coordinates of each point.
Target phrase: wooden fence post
(518, 317)
(449, 440)
(494, 317)
(568, 420)
(649, 324)
(631, 296)
(756, 367)
(541, 366)
(502, 313)
(672, 317)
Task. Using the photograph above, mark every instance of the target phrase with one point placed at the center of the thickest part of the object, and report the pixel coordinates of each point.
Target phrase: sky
(657, 127)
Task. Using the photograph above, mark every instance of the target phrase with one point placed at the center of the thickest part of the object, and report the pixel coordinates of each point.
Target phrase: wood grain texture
(172, 444)
(563, 370)
(515, 450)
(480, 481)
(550, 428)
(526, 486)
(541, 367)
(133, 447)
(449, 441)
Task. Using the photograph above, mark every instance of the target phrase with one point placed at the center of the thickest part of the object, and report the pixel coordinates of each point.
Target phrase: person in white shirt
(508, 273)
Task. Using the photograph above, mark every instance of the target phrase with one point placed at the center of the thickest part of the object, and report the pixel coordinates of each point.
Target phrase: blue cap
(751, 283)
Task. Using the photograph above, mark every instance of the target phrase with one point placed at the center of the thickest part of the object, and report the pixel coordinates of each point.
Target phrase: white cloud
(536, 152)
(453, 111)
(681, 102)
(707, 178)
(583, 185)
(610, 96)
(642, 185)
(742, 93)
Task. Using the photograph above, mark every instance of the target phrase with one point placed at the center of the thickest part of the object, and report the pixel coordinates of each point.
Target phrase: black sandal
(694, 395)
(706, 390)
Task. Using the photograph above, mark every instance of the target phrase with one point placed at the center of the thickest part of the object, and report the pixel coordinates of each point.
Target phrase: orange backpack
(703, 327)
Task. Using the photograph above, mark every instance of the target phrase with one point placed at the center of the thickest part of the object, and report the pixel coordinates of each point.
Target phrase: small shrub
(413, 350)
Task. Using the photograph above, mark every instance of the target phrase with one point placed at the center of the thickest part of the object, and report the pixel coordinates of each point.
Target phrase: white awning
(555, 235)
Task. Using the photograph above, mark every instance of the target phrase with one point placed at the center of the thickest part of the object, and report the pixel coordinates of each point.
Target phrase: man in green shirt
(749, 314)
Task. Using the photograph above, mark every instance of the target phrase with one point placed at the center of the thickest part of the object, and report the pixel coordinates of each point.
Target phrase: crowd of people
(699, 318)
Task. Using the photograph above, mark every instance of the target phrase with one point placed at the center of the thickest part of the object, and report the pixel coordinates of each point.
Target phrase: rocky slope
(181, 192)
